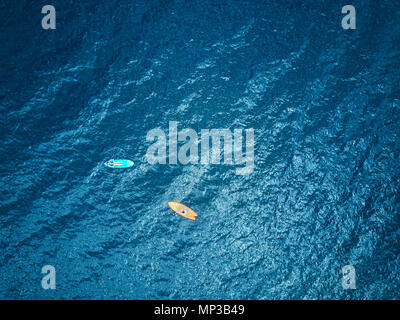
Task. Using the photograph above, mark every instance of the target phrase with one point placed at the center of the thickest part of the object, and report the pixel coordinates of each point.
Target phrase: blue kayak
(119, 163)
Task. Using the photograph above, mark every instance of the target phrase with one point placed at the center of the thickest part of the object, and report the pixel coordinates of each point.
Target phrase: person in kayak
(110, 163)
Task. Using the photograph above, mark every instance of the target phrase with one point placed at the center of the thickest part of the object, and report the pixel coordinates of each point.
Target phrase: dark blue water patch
(324, 105)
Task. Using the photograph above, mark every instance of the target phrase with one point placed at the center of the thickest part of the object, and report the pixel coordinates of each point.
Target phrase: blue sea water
(324, 104)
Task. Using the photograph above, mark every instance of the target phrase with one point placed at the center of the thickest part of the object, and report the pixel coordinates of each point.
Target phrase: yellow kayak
(183, 210)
